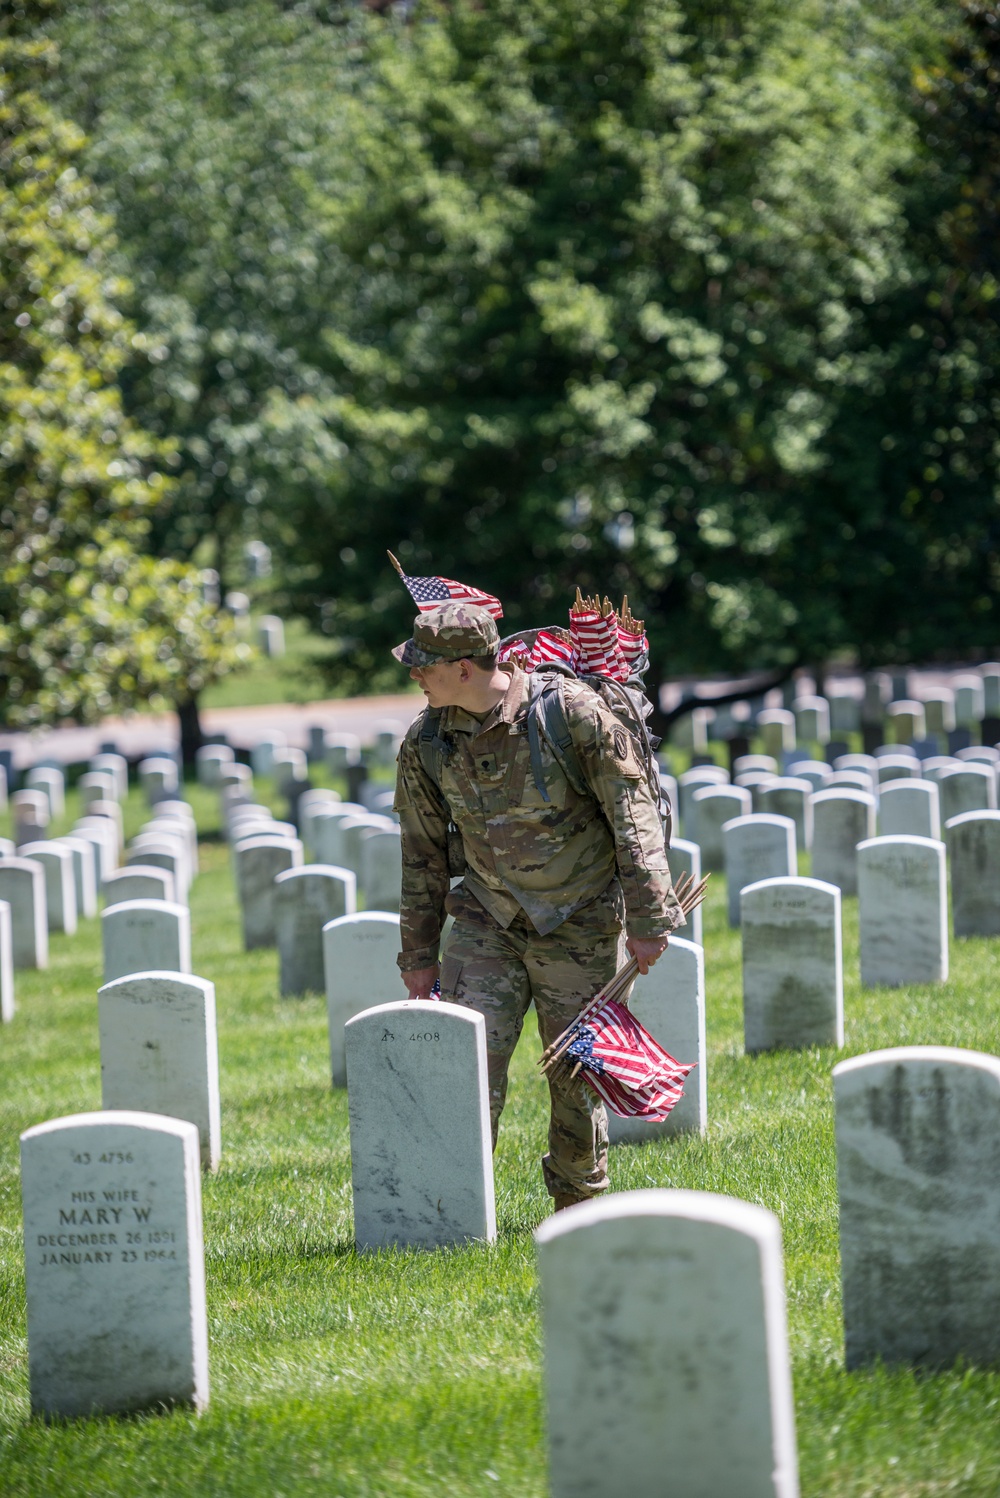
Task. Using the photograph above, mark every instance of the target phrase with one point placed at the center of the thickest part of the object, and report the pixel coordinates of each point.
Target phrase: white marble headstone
(159, 1051)
(421, 1147)
(793, 971)
(974, 851)
(84, 875)
(788, 796)
(114, 1262)
(305, 900)
(842, 818)
(666, 1361)
(968, 787)
(711, 808)
(918, 1133)
(359, 959)
(381, 868)
(60, 886)
(7, 1005)
(910, 808)
(138, 882)
(761, 846)
(259, 860)
(22, 887)
(669, 1001)
(141, 936)
(903, 911)
(684, 857)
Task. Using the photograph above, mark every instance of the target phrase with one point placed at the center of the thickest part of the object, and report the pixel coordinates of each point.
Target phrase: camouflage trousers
(499, 972)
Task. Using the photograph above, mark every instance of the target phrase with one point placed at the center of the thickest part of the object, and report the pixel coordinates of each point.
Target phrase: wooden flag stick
(398, 568)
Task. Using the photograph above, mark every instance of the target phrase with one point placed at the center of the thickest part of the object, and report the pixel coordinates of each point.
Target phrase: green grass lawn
(411, 1374)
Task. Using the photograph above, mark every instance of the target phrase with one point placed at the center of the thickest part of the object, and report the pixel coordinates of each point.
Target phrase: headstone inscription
(138, 882)
(114, 1263)
(670, 1003)
(684, 857)
(142, 936)
(56, 861)
(305, 900)
(974, 852)
(421, 1151)
(259, 861)
(761, 846)
(910, 807)
(903, 910)
(6, 964)
(842, 818)
(712, 807)
(22, 887)
(918, 1129)
(159, 1051)
(663, 1317)
(359, 960)
(793, 972)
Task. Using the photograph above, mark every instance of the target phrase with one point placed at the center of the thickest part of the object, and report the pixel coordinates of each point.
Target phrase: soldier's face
(442, 682)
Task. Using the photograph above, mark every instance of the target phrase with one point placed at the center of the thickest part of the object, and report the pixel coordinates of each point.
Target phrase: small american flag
(625, 1066)
(596, 642)
(551, 646)
(428, 592)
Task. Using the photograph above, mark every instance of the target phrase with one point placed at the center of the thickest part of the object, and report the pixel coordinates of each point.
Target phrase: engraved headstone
(842, 818)
(790, 797)
(103, 840)
(907, 721)
(918, 1129)
(359, 960)
(421, 1147)
(97, 785)
(60, 885)
(663, 1315)
(110, 813)
(669, 1001)
(903, 911)
(84, 875)
(305, 900)
(939, 710)
(141, 936)
(259, 861)
(22, 887)
(970, 702)
(690, 782)
(897, 766)
(342, 749)
(747, 763)
(288, 765)
(262, 752)
(209, 760)
(812, 720)
(30, 815)
(159, 1051)
(711, 807)
(158, 778)
(793, 973)
(116, 765)
(114, 1264)
(910, 807)
(845, 712)
(684, 857)
(761, 846)
(160, 852)
(974, 854)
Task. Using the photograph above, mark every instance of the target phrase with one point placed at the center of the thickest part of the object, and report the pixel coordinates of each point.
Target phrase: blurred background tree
(89, 622)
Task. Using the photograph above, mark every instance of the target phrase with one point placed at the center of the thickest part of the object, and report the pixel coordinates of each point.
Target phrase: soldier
(549, 880)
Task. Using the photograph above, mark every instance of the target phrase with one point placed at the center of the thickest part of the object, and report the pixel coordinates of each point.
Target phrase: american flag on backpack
(625, 1066)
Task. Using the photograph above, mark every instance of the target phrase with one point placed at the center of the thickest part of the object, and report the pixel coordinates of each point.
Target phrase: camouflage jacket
(522, 853)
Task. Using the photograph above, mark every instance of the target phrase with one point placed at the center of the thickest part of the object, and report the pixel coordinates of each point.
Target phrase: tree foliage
(88, 621)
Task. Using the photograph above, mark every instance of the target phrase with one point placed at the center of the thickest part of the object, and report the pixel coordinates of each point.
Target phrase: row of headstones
(970, 703)
(49, 884)
(683, 1349)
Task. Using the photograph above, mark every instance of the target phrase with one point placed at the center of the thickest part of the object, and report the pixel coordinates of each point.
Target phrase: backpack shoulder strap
(547, 719)
(431, 747)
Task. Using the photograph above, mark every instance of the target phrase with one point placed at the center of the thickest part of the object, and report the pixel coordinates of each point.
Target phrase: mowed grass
(410, 1374)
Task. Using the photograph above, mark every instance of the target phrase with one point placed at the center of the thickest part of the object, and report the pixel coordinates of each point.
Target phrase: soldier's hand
(646, 949)
(420, 982)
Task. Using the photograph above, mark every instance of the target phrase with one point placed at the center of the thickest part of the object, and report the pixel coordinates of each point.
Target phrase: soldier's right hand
(420, 981)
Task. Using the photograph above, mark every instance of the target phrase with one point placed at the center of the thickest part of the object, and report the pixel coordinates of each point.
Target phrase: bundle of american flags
(598, 642)
(619, 1059)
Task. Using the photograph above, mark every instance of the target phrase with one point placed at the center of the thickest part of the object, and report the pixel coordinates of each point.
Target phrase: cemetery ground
(411, 1373)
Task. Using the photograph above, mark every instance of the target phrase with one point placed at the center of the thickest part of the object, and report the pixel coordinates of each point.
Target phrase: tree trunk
(190, 726)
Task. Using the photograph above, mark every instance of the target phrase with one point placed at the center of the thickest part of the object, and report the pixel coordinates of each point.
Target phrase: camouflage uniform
(547, 887)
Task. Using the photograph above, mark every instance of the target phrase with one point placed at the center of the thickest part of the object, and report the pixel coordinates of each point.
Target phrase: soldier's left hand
(646, 949)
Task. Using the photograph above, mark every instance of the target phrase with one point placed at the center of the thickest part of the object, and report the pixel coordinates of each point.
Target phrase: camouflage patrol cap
(449, 632)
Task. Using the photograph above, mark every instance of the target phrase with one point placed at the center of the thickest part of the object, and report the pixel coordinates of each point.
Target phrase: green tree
(607, 273)
(88, 623)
